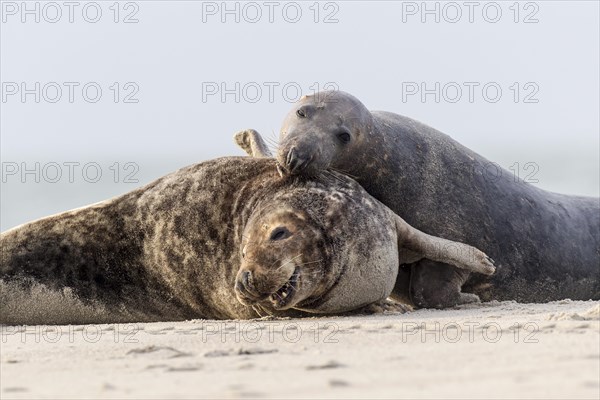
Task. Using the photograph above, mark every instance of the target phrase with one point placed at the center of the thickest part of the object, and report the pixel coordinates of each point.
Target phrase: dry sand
(491, 350)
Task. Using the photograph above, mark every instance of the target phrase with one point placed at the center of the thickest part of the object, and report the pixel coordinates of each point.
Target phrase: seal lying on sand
(227, 238)
(546, 245)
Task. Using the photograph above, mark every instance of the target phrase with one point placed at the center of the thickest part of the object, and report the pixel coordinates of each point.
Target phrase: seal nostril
(296, 161)
(291, 155)
(246, 277)
(238, 286)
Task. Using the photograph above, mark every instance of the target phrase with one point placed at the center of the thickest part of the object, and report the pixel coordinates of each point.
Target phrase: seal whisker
(310, 262)
(336, 177)
(342, 171)
(333, 176)
(274, 141)
(312, 274)
(273, 145)
(287, 262)
(325, 178)
(279, 259)
(261, 311)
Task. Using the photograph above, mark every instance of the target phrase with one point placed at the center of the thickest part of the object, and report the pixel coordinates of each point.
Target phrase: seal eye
(300, 113)
(343, 137)
(279, 234)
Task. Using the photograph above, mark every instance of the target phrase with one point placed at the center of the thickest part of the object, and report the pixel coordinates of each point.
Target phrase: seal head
(322, 130)
(320, 246)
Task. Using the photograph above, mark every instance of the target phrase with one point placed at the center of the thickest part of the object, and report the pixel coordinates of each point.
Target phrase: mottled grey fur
(175, 249)
(546, 245)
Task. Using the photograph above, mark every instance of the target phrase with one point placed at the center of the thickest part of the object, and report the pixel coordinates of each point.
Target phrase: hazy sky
(518, 84)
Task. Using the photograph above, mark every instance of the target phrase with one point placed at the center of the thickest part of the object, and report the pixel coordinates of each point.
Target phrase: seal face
(547, 245)
(282, 262)
(322, 132)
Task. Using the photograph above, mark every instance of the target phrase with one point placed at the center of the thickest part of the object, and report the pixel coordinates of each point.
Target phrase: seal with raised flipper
(226, 238)
(546, 245)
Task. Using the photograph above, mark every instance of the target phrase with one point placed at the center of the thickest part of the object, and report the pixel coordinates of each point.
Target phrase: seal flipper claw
(488, 267)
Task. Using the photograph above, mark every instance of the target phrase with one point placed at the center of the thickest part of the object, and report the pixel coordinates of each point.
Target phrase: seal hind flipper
(252, 143)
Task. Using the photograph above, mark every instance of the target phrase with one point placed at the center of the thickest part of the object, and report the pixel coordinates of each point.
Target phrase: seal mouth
(302, 166)
(285, 294)
(295, 162)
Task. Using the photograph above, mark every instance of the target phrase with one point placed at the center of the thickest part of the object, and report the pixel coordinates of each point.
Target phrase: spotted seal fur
(226, 238)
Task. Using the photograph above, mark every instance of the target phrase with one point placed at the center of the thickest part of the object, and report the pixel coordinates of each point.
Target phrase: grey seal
(226, 238)
(546, 245)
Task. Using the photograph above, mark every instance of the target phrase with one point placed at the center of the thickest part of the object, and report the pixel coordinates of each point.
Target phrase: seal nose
(245, 286)
(296, 161)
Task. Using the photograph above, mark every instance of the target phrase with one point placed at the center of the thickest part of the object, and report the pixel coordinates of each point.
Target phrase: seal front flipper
(252, 143)
(414, 245)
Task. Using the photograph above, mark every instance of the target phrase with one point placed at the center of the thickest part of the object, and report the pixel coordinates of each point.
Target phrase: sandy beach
(490, 350)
